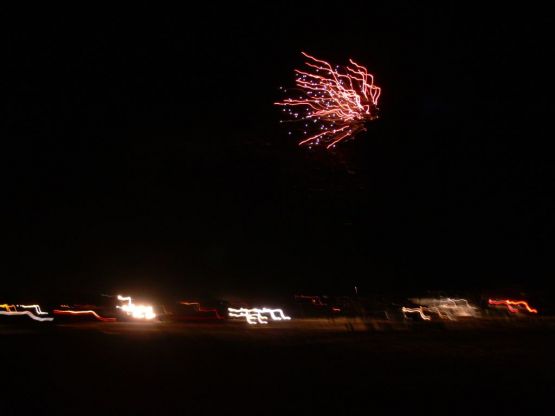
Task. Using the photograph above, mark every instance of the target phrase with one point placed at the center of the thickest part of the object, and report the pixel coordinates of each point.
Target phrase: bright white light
(258, 315)
(276, 314)
(136, 311)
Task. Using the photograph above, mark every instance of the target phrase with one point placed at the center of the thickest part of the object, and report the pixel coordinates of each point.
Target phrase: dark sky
(144, 150)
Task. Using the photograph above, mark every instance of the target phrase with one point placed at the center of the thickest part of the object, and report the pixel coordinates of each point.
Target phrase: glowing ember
(145, 312)
(333, 104)
(520, 305)
(257, 315)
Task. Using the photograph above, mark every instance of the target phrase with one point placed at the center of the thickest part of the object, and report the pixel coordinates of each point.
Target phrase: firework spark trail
(334, 103)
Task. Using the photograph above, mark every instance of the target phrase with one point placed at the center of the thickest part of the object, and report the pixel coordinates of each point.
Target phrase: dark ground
(231, 369)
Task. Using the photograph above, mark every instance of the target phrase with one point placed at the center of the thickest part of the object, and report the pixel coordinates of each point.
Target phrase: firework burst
(332, 103)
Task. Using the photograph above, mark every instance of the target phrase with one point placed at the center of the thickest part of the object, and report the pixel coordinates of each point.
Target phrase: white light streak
(258, 315)
(37, 309)
(27, 313)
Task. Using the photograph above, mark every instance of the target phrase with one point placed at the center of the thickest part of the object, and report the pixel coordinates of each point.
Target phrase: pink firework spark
(333, 104)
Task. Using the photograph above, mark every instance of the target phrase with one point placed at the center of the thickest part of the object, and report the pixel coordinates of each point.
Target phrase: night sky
(144, 151)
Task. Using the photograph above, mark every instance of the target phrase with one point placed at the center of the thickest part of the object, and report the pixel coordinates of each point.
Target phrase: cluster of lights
(332, 103)
(258, 315)
(143, 312)
(513, 306)
(24, 310)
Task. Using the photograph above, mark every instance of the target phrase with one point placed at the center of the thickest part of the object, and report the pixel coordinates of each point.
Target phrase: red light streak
(200, 308)
(510, 303)
(334, 103)
(89, 313)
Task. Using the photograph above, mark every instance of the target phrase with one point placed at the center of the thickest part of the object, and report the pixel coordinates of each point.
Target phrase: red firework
(334, 104)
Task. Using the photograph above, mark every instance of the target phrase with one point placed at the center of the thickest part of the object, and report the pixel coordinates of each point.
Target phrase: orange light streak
(510, 303)
(333, 103)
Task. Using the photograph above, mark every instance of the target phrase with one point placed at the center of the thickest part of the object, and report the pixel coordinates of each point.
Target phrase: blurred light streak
(258, 315)
(27, 313)
(37, 309)
(90, 313)
(419, 310)
(509, 303)
(252, 316)
(201, 308)
(447, 308)
(275, 314)
(8, 308)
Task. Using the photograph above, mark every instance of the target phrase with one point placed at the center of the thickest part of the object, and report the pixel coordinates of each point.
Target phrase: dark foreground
(135, 369)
